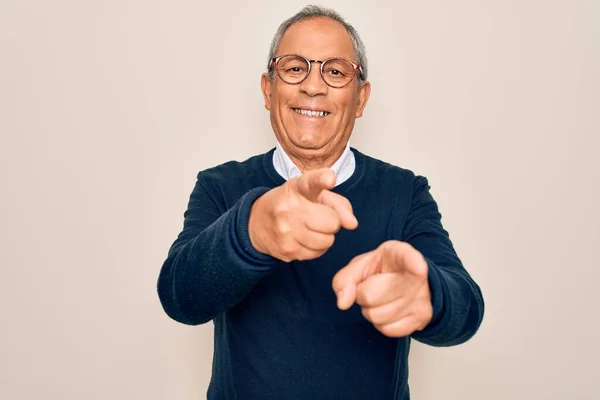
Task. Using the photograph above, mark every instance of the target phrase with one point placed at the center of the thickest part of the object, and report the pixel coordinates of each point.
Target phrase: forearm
(207, 273)
(458, 305)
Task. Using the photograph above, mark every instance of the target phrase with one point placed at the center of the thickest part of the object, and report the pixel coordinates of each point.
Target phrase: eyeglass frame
(273, 63)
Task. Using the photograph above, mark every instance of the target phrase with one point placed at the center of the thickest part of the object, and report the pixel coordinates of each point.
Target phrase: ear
(363, 97)
(265, 85)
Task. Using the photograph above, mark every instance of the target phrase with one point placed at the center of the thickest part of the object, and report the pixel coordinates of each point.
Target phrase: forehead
(317, 38)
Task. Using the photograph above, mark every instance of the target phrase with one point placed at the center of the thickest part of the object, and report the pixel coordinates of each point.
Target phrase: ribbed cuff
(441, 308)
(241, 237)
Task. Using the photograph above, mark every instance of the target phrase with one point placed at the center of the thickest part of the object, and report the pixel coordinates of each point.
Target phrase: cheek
(347, 106)
(279, 105)
(281, 94)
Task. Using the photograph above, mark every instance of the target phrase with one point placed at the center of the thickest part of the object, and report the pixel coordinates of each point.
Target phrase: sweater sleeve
(458, 305)
(212, 265)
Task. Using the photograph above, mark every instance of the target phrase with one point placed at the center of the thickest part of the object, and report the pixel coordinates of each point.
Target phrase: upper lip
(311, 109)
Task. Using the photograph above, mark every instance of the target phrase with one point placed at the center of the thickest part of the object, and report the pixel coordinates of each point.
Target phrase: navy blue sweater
(278, 331)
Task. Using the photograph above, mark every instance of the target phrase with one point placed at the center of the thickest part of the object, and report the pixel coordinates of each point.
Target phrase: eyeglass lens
(336, 72)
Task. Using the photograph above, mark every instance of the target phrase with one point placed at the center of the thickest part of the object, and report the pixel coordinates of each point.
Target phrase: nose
(314, 85)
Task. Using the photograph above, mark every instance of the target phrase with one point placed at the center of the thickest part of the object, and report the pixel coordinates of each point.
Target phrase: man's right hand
(298, 220)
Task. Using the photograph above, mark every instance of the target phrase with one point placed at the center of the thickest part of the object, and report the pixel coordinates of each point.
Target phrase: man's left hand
(390, 285)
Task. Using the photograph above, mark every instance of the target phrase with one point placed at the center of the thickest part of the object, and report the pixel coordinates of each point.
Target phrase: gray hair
(313, 11)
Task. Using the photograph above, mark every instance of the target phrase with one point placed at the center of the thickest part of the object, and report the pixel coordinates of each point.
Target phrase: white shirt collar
(343, 167)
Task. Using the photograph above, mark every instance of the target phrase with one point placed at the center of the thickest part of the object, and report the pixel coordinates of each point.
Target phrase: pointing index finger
(312, 183)
(347, 279)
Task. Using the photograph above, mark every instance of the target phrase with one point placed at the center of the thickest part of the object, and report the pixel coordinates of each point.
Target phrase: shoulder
(226, 183)
(383, 172)
(232, 171)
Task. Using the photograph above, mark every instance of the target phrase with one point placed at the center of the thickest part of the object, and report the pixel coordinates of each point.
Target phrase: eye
(335, 72)
(294, 70)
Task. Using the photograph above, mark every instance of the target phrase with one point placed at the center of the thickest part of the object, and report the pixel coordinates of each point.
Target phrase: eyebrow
(318, 59)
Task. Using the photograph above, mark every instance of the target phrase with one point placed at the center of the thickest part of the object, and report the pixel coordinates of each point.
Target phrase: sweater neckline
(343, 187)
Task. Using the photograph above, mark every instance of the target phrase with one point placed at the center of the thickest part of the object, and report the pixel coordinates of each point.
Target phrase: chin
(309, 141)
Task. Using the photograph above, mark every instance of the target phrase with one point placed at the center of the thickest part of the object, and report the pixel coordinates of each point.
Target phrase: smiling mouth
(311, 113)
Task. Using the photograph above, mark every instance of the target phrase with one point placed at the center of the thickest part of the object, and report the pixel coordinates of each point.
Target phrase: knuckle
(415, 321)
(286, 205)
(395, 330)
(373, 315)
(364, 298)
(282, 209)
(386, 330)
(356, 258)
(322, 197)
(337, 283)
(421, 272)
(368, 314)
(421, 266)
(383, 314)
(282, 227)
(418, 324)
(287, 248)
(347, 203)
(287, 253)
(425, 312)
(384, 246)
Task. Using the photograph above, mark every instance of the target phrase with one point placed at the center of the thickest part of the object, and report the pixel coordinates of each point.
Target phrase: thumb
(312, 183)
(347, 279)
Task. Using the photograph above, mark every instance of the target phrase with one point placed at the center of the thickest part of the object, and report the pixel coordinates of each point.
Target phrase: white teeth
(311, 113)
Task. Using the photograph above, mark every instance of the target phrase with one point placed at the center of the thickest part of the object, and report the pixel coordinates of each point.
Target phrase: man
(317, 263)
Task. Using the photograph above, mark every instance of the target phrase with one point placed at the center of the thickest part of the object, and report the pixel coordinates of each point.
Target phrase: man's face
(306, 136)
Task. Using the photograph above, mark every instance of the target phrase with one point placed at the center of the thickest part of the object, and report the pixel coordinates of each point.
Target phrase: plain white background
(108, 109)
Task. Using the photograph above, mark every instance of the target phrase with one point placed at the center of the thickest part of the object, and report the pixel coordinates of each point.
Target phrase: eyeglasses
(294, 69)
